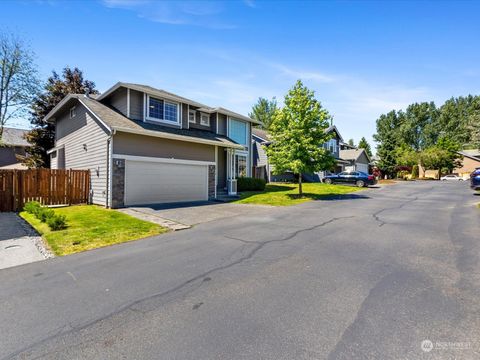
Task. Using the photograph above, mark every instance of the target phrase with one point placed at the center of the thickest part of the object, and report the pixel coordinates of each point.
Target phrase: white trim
(194, 113)
(144, 107)
(110, 174)
(208, 117)
(96, 116)
(163, 160)
(177, 137)
(73, 113)
(55, 149)
(128, 102)
(216, 170)
(178, 105)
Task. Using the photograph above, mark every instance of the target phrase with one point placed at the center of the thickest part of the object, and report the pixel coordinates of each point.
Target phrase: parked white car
(451, 177)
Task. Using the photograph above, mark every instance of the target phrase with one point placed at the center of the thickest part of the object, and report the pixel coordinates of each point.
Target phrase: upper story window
(237, 131)
(72, 112)
(191, 116)
(205, 119)
(332, 145)
(162, 110)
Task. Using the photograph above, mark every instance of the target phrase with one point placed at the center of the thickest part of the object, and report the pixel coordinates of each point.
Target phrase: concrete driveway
(195, 213)
(393, 274)
(19, 244)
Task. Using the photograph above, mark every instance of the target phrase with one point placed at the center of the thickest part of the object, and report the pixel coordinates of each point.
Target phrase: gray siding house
(358, 160)
(262, 168)
(12, 148)
(144, 145)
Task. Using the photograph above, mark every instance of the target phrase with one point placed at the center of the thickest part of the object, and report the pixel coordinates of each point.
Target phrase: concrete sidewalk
(19, 244)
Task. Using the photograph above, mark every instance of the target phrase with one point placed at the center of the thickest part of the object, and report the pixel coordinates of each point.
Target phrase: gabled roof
(115, 121)
(14, 137)
(334, 128)
(261, 134)
(170, 96)
(353, 154)
(471, 154)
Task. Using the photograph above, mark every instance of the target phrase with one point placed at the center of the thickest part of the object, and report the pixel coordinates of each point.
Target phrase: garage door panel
(153, 182)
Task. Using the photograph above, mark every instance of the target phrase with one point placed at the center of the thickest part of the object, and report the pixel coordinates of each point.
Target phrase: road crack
(184, 288)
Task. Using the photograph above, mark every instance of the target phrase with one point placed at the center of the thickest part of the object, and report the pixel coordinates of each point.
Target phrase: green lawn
(90, 227)
(285, 194)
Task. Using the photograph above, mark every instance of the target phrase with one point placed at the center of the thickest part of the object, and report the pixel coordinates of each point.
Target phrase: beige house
(470, 161)
(145, 145)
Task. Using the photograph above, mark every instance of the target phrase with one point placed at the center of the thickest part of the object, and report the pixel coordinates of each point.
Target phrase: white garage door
(362, 167)
(153, 182)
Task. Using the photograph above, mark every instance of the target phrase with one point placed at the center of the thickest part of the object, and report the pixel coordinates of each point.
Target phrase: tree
(42, 136)
(363, 144)
(419, 125)
(443, 156)
(18, 79)
(263, 111)
(298, 133)
(351, 142)
(388, 139)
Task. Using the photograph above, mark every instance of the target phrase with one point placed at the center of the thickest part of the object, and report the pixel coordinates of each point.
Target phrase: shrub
(250, 184)
(43, 214)
(57, 222)
(414, 171)
(32, 207)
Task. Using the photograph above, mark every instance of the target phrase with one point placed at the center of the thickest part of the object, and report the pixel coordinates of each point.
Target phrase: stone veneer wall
(211, 182)
(118, 183)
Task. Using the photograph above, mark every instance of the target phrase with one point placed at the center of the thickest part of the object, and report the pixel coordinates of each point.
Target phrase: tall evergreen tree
(297, 134)
(388, 138)
(263, 111)
(351, 142)
(42, 136)
(363, 144)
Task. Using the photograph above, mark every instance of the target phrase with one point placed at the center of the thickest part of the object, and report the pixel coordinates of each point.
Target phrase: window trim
(149, 118)
(73, 111)
(194, 112)
(201, 120)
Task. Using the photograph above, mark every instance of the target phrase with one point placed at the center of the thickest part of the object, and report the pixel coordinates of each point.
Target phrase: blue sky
(361, 58)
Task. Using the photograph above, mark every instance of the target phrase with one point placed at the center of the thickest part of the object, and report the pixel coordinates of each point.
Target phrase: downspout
(108, 200)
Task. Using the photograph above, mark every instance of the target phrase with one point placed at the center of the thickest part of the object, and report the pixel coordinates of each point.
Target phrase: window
(205, 119)
(240, 165)
(332, 145)
(162, 110)
(237, 131)
(191, 116)
(72, 112)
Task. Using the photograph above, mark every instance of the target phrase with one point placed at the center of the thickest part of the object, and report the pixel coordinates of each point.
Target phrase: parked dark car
(475, 179)
(357, 178)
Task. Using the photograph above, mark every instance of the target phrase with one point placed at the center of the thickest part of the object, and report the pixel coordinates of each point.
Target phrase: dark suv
(475, 179)
(357, 178)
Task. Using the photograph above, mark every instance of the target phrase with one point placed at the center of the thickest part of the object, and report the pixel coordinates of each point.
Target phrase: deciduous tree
(18, 79)
(297, 134)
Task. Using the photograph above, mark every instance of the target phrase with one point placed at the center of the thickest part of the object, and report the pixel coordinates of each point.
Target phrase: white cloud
(302, 74)
(195, 13)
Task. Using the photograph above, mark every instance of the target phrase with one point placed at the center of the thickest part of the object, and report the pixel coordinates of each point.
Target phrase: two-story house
(262, 168)
(145, 145)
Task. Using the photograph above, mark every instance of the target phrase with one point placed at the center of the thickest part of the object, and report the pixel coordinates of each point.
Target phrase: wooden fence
(49, 187)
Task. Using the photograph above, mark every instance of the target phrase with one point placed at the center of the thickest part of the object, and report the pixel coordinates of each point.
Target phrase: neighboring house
(144, 145)
(358, 160)
(470, 161)
(12, 148)
(262, 169)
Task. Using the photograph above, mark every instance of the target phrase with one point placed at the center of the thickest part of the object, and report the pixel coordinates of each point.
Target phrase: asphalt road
(368, 277)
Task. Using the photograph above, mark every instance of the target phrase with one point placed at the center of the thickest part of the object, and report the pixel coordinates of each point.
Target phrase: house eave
(177, 137)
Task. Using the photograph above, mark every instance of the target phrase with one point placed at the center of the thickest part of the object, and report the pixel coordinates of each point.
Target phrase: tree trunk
(300, 191)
